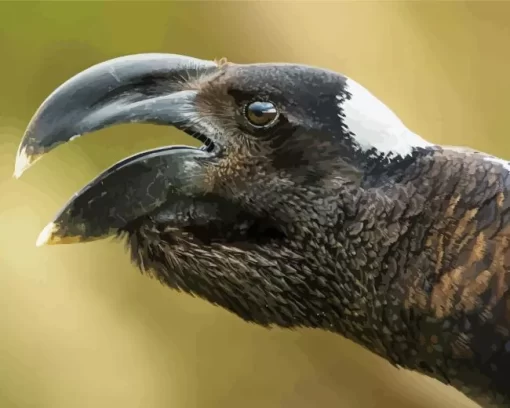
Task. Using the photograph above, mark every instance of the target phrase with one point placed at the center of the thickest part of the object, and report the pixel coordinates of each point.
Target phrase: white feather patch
(374, 125)
(504, 163)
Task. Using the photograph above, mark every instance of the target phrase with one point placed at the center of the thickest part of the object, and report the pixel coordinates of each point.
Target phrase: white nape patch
(374, 125)
(504, 163)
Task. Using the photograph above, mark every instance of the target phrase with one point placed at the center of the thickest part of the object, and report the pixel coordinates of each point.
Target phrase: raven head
(263, 219)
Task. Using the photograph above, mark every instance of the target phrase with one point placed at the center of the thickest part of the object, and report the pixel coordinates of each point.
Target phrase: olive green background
(80, 327)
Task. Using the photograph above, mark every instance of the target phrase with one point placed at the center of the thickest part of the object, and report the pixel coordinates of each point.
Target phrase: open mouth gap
(207, 144)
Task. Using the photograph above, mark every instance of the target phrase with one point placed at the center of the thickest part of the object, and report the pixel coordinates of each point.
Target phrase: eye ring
(261, 114)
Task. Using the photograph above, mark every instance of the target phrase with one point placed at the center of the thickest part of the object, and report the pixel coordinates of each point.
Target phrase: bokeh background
(80, 327)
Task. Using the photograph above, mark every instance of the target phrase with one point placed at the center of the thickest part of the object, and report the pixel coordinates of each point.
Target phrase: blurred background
(80, 327)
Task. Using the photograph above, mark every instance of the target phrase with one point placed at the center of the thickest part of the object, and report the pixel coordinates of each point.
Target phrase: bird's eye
(261, 114)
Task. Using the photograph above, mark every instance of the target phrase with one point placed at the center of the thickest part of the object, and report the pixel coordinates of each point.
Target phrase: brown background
(79, 327)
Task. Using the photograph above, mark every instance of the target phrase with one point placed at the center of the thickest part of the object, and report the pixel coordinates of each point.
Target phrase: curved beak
(132, 188)
(144, 88)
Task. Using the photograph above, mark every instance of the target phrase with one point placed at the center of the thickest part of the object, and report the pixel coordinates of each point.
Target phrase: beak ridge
(143, 88)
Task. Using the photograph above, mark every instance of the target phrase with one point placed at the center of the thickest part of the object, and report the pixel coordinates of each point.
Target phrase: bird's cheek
(234, 171)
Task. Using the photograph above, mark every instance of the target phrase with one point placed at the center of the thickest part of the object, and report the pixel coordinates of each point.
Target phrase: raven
(309, 204)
